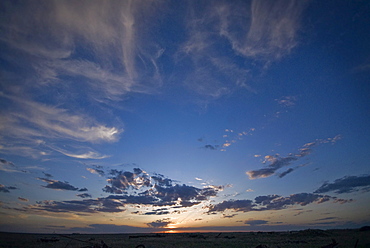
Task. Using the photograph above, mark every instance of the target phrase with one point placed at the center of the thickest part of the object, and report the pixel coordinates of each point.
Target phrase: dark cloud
(277, 162)
(125, 180)
(134, 188)
(8, 166)
(342, 201)
(159, 223)
(157, 213)
(111, 228)
(327, 218)
(155, 190)
(84, 195)
(271, 202)
(237, 205)
(83, 206)
(286, 173)
(55, 184)
(5, 162)
(346, 184)
(229, 216)
(211, 147)
(6, 189)
(22, 199)
(54, 226)
(47, 175)
(255, 222)
(58, 185)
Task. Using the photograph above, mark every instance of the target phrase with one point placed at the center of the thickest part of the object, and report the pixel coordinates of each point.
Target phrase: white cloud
(36, 120)
(118, 59)
(272, 28)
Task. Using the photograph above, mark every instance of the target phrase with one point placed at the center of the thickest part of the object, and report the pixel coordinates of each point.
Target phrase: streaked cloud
(59, 185)
(23, 199)
(271, 31)
(8, 166)
(6, 189)
(88, 155)
(79, 206)
(45, 121)
(270, 202)
(277, 162)
(346, 184)
(255, 222)
(108, 31)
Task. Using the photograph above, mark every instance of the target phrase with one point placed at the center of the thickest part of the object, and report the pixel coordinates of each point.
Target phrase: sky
(184, 116)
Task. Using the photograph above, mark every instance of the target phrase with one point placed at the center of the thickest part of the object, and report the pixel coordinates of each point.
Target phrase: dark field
(305, 238)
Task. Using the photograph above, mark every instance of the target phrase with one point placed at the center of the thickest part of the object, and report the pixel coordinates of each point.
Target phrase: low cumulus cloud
(156, 189)
(346, 184)
(159, 223)
(130, 188)
(277, 162)
(84, 195)
(271, 202)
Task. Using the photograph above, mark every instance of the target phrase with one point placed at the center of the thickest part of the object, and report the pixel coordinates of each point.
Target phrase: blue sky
(151, 116)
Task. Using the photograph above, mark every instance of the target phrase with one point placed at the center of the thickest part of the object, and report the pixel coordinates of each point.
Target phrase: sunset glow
(184, 116)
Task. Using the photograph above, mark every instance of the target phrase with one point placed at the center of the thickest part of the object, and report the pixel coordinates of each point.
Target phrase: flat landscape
(304, 238)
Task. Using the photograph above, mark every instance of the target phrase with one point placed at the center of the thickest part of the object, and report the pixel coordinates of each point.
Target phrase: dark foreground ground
(306, 238)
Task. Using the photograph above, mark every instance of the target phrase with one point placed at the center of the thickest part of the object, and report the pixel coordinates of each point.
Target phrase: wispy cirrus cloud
(69, 55)
(51, 33)
(272, 29)
(53, 122)
(218, 33)
(36, 128)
